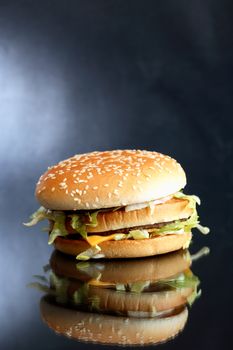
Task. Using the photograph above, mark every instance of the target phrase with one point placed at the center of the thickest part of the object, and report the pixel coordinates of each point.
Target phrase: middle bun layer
(173, 209)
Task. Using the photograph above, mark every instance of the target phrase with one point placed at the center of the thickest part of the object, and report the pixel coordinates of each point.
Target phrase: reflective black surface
(90, 75)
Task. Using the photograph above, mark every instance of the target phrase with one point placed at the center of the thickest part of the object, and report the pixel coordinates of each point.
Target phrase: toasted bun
(131, 304)
(106, 329)
(174, 209)
(128, 248)
(109, 179)
(122, 271)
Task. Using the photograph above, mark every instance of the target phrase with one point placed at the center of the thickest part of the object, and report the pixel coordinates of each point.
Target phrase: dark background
(78, 76)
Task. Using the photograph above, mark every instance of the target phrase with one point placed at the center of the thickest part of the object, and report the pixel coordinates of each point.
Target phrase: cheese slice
(95, 240)
(97, 283)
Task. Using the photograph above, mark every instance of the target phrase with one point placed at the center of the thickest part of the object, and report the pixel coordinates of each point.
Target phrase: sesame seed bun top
(109, 179)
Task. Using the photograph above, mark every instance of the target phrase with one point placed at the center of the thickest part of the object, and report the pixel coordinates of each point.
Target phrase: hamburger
(117, 204)
(139, 301)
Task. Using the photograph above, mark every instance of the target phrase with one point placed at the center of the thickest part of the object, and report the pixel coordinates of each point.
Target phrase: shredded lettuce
(59, 227)
(80, 295)
(203, 229)
(184, 280)
(135, 234)
(41, 278)
(89, 253)
(191, 198)
(193, 220)
(78, 222)
(92, 218)
(203, 251)
(41, 287)
(58, 218)
(119, 236)
(138, 234)
(78, 225)
(120, 287)
(60, 285)
(39, 215)
(185, 225)
(195, 295)
(138, 287)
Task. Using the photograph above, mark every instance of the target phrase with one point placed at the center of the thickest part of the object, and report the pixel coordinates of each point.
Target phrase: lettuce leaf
(41, 288)
(78, 222)
(59, 227)
(89, 253)
(39, 215)
(182, 281)
(80, 295)
(60, 285)
(78, 225)
(92, 218)
(138, 287)
(195, 295)
(138, 234)
(58, 218)
(186, 225)
(193, 220)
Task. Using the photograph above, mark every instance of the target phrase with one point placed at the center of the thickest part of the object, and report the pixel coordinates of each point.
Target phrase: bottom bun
(107, 329)
(128, 248)
(150, 304)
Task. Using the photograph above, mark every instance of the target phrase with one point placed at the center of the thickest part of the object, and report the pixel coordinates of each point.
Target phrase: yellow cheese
(97, 283)
(95, 240)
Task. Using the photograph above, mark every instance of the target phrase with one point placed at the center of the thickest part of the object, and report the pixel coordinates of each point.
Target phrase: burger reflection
(123, 302)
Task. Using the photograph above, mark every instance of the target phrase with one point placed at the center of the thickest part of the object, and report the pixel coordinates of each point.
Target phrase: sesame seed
(95, 187)
(106, 185)
(53, 189)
